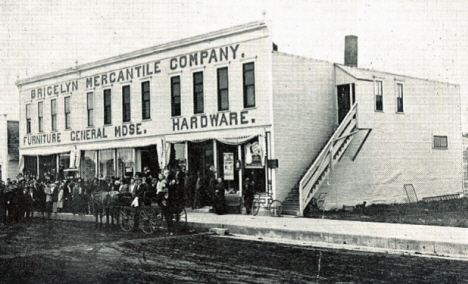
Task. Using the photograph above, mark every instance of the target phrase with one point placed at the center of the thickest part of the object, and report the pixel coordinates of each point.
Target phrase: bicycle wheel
(127, 219)
(275, 208)
(256, 206)
(179, 219)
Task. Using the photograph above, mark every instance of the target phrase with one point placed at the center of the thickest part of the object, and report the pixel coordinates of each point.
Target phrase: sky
(425, 39)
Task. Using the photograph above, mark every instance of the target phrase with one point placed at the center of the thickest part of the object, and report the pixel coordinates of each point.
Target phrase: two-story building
(299, 127)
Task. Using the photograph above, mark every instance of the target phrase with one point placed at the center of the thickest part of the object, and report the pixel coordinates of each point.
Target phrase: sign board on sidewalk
(228, 166)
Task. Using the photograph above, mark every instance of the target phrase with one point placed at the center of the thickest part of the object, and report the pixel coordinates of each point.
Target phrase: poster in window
(253, 155)
(228, 166)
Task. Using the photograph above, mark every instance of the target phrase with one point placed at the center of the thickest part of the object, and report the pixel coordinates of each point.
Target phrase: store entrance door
(200, 156)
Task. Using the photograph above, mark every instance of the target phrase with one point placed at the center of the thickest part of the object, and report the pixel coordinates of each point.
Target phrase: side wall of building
(400, 148)
(303, 115)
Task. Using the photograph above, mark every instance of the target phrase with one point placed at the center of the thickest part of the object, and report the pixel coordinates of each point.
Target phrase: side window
(175, 96)
(198, 106)
(53, 114)
(223, 89)
(28, 118)
(249, 84)
(440, 142)
(40, 116)
(145, 100)
(126, 115)
(90, 107)
(67, 113)
(107, 107)
(400, 97)
(378, 95)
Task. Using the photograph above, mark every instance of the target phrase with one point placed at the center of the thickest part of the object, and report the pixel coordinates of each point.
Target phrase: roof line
(147, 51)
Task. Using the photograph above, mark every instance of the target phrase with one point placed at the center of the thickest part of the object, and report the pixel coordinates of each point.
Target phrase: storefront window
(64, 163)
(88, 165)
(106, 163)
(125, 162)
(30, 166)
(177, 155)
(48, 166)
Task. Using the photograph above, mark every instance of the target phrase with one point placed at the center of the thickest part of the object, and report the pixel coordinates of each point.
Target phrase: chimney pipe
(351, 51)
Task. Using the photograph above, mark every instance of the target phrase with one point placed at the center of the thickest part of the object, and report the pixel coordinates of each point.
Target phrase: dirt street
(73, 252)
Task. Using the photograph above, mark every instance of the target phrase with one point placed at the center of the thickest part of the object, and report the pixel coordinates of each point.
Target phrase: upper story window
(440, 142)
(198, 92)
(399, 97)
(223, 89)
(28, 118)
(53, 114)
(67, 112)
(90, 108)
(175, 96)
(126, 104)
(248, 71)
(378, 95)
(107, 107)
(40, 116)
(145, 100)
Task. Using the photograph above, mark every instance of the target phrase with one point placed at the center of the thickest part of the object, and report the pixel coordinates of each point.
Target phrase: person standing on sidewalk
(49, 193)
(248, 193)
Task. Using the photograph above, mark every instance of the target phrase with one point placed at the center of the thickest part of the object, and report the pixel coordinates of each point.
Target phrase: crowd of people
(20, 198)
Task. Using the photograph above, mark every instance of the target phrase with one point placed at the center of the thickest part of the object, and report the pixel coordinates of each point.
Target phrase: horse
(105, 202)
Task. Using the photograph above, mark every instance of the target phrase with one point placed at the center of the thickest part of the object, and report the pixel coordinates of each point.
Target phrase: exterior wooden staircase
(317, 174)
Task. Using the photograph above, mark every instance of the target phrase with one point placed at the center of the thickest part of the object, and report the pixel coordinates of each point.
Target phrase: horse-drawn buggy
(146, 213)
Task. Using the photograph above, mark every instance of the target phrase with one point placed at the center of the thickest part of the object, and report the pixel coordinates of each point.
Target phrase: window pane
(222, 78)
(249, 78)
(106, 163)
(250, 96)
(67, 104)
(39, 108)
(90, 100)
(28, 111)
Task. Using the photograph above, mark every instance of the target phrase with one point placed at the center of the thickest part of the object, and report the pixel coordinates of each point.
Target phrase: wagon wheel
(179, 219)
(255, 206)
(127, 219)
(275, 208)
(150, 220)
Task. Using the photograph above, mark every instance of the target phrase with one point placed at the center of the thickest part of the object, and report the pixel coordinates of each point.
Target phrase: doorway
(200, 156)
(346, 99)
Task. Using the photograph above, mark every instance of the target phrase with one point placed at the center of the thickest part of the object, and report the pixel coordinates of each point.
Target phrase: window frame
(90, 109)
(176, 107)
(245, 86)
(107, 106)
(40, 116)
(437, 142)
(28, 118)
(378, 86)
(398, 97)
(53, 114)
(126, 106)
(220, 90)
(197, 109)
(67, 111)
(143, 101)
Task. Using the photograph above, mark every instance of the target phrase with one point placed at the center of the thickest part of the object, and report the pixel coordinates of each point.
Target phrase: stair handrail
(310, 178)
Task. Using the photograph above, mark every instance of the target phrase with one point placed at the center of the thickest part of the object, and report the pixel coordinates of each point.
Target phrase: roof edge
(146, 51)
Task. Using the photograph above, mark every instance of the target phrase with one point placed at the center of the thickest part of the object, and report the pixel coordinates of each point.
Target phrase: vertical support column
(215, 158)
(37, 166)
(96, 159)
(57, 166)
(134, 161)
(186, 157)
(115, 163)
(241, 182)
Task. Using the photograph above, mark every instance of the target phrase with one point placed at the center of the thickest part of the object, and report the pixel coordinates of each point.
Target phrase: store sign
(99, 133)
(211, 121)
(228, 166)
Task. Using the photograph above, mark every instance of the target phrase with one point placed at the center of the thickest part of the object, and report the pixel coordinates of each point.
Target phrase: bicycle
(274, 206)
